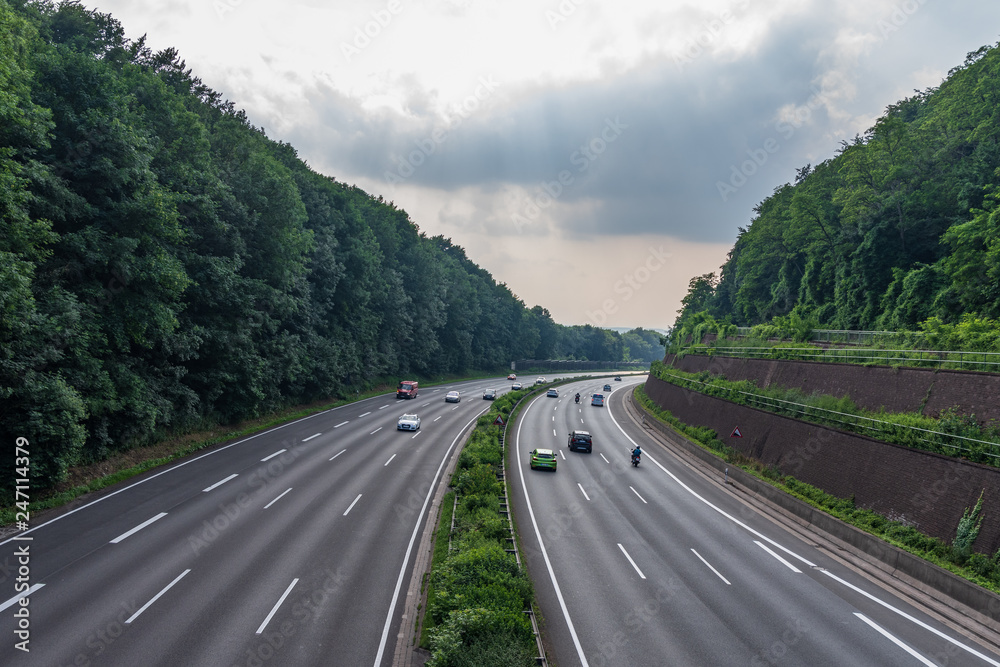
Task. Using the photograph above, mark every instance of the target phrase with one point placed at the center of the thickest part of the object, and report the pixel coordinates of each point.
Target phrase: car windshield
(408, 418)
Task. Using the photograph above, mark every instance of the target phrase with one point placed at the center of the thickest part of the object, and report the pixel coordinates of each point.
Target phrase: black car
(581, 440)
(618, 378)
(607, 387)
(490, 395)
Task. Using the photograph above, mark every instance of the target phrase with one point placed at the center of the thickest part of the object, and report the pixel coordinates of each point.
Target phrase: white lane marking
(314, 435)
(777, 557)
(711, 568)
(220, 482)
(917, 621)
(384, 407)
(413, 539)
(894, 640)
(604, 457)
(138, 528)
(352, 505)
(168, 470)
(581, 420)
(562, 455)
(14, 600)
(364, 415)
(631, 561)
(277, 604)
(414, 435)
(637, 493)
(271, 456)
(278, 498)
(389, 461)
(454, 408)
(342, 423)
(438, 417)
(582, 491)
(553, 431)
(425, 404)
(714, 507)
(157, 596)
(553, 417)
(337, 454)
(375, 431)
(545, 553)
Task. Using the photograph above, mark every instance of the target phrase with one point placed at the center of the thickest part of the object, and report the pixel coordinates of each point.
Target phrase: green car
(543, 458)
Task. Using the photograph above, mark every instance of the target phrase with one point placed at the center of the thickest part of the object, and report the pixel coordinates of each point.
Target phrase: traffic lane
(874, 607)
(294, 482)
(564, 491)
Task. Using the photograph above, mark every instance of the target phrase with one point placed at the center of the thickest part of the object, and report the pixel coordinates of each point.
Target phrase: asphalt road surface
(656, 565)
(290, 547)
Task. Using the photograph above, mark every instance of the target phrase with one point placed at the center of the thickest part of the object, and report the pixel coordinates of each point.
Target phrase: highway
(290, 547)
(658, 565)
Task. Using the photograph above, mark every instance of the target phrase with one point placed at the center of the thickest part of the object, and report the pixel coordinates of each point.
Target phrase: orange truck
(407, 389)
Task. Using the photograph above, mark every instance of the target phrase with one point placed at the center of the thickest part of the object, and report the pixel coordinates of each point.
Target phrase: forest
(899, 231)
(165, 266)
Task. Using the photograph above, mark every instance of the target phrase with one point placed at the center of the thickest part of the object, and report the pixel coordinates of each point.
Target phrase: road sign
(736, 433)
(499, 420)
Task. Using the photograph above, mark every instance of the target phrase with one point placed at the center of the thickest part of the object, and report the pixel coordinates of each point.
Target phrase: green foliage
(164, 265)
(902, 225)
(968, 529)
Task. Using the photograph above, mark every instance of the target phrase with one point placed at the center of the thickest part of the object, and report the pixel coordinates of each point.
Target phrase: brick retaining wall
(927, 490)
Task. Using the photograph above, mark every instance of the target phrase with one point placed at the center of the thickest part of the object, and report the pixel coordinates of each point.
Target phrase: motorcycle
(635, 460)
(578, 398)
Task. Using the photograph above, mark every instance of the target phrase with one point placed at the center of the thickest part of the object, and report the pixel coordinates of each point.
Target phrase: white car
(452, 397)
(515, 386)
(540, 380)
(554, 393)
(408, 423)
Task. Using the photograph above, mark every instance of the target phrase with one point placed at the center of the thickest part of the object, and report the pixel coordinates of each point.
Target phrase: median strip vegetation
(478, 594)
(957, 557)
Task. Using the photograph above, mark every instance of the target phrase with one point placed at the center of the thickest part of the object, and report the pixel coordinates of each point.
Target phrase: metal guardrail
(980, 361)
(856, 423)
(564, 365)
(849, 336)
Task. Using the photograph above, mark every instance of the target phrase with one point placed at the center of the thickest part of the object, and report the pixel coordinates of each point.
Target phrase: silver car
(408, 422)
(452, 397)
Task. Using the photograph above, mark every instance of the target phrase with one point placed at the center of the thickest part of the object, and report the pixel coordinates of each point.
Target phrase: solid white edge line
(277, 604)
(917, 621)
(541, 545)
(894, 640)
(777, 557)
(314, 435)
(352, 505)
(582, 491)
(704, 500)
(138, 528)
(709, 565)
(342, 423)
(14, 600)
(171, 469)
(413, 539)
(389, 461)
(157, 596)
(221, 482)
(278, 498)
(271, 456)
(637, 493)
(337, 454)
(631, 561)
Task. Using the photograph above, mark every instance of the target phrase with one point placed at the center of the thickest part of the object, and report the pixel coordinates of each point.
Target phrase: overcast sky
(594, 156)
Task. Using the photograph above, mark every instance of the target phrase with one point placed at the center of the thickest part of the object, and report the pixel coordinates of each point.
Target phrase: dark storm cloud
(685, 149)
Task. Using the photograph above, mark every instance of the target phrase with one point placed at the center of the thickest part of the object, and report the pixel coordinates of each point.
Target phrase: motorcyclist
(637, 452)
(577, 397)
